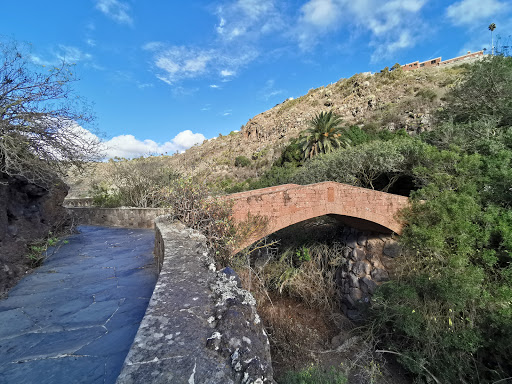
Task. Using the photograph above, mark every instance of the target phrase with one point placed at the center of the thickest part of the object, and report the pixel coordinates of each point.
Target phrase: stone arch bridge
(285, 205)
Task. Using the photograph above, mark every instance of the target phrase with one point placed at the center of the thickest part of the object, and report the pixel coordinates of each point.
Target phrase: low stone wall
(200, 326)
(118, 217)
(78, 202)
(368, 261)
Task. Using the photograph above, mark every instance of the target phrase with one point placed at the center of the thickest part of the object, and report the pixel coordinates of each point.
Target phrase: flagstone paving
(74, 319)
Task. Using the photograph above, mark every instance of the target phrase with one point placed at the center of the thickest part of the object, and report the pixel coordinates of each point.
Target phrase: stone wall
(118, 217)
(368, 261)
(78, 202)
(200, 326)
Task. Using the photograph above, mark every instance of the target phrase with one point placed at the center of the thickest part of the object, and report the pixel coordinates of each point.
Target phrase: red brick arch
(288, 204)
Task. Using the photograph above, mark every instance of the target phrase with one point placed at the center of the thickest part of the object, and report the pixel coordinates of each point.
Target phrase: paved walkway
(74, 319)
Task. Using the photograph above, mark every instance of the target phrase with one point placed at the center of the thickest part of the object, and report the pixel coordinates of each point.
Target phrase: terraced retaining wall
(200, 326)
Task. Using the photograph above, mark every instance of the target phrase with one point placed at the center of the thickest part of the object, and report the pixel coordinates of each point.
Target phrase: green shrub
(426, 94)
(242, 161)
(376, 164)
(448, 314)
(314, 375)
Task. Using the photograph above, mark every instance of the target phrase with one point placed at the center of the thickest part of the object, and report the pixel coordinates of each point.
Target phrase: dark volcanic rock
(27, 213)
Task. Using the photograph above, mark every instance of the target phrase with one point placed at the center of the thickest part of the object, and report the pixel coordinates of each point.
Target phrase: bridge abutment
(369, 259)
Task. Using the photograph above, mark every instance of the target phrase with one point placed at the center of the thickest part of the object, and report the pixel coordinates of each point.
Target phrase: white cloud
(66, 53)
(269, 90)
(226, 73)
(116, 10)
(382, 19)
(240, 27)
(403, 41)
(72, 54)
(247, 19)
(214, 86)
(128, 146)
(467, 12)
(320, 13)
(175, 63)
(181, 62)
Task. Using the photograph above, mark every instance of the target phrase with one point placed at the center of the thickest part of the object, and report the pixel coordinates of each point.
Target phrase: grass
(314, 375)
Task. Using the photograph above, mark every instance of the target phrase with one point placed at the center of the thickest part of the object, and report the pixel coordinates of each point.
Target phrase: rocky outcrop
(200, 326)
(27, 213)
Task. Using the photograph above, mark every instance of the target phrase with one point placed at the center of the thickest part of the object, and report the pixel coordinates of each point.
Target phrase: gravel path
(74, 319)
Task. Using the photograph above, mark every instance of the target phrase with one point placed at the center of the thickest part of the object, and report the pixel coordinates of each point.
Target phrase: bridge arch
(289, 204)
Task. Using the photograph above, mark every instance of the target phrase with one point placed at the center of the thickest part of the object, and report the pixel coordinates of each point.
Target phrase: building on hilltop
(438, 61)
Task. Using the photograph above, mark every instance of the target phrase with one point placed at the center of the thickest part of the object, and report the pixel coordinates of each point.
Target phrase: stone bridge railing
(200, 326)
(118, 217)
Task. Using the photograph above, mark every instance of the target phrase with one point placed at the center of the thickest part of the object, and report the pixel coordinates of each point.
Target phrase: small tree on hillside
(40, 117)
(324, 134)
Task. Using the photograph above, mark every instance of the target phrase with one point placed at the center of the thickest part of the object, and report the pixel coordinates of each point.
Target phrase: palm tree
(324, 134)
(492, 27)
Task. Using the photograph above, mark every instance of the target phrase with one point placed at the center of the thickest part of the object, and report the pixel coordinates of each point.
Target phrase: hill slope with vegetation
(390, 100)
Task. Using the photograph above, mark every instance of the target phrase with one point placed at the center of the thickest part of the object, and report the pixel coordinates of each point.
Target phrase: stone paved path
(73, 320)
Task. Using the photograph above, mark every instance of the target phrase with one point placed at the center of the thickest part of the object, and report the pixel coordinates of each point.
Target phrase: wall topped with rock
(118, 217)
(368, 261)
(200, 326)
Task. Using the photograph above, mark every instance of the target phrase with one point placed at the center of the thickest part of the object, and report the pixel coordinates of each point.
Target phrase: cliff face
(27, 213)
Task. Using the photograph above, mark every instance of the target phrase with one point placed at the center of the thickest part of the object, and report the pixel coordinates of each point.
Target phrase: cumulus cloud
(128, 146)
(467, 12)
(383, 19)
(116, 10)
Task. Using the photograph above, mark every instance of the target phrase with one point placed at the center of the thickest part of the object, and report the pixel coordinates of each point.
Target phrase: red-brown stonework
(289, 204)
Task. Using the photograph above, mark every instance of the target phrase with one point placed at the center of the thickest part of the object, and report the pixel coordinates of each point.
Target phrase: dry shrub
(307, 273)
(193, 204)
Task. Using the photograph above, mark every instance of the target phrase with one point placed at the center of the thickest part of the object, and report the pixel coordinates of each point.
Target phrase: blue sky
(163, 75)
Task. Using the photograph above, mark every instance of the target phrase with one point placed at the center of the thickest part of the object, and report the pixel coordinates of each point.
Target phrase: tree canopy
(40, 118)
(323, 135)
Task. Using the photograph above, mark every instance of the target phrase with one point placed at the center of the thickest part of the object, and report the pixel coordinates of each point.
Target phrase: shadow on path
(74, 319)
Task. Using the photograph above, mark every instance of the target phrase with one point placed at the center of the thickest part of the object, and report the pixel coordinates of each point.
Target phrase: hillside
(387, 100)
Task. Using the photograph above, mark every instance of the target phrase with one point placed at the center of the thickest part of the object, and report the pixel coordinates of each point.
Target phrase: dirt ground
(302, 336)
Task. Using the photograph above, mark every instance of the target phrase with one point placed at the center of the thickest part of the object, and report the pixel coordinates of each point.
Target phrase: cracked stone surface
(74, 319)
(200, 327)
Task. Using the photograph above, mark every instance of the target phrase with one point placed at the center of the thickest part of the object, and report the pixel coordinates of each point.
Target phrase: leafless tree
(40, 118)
